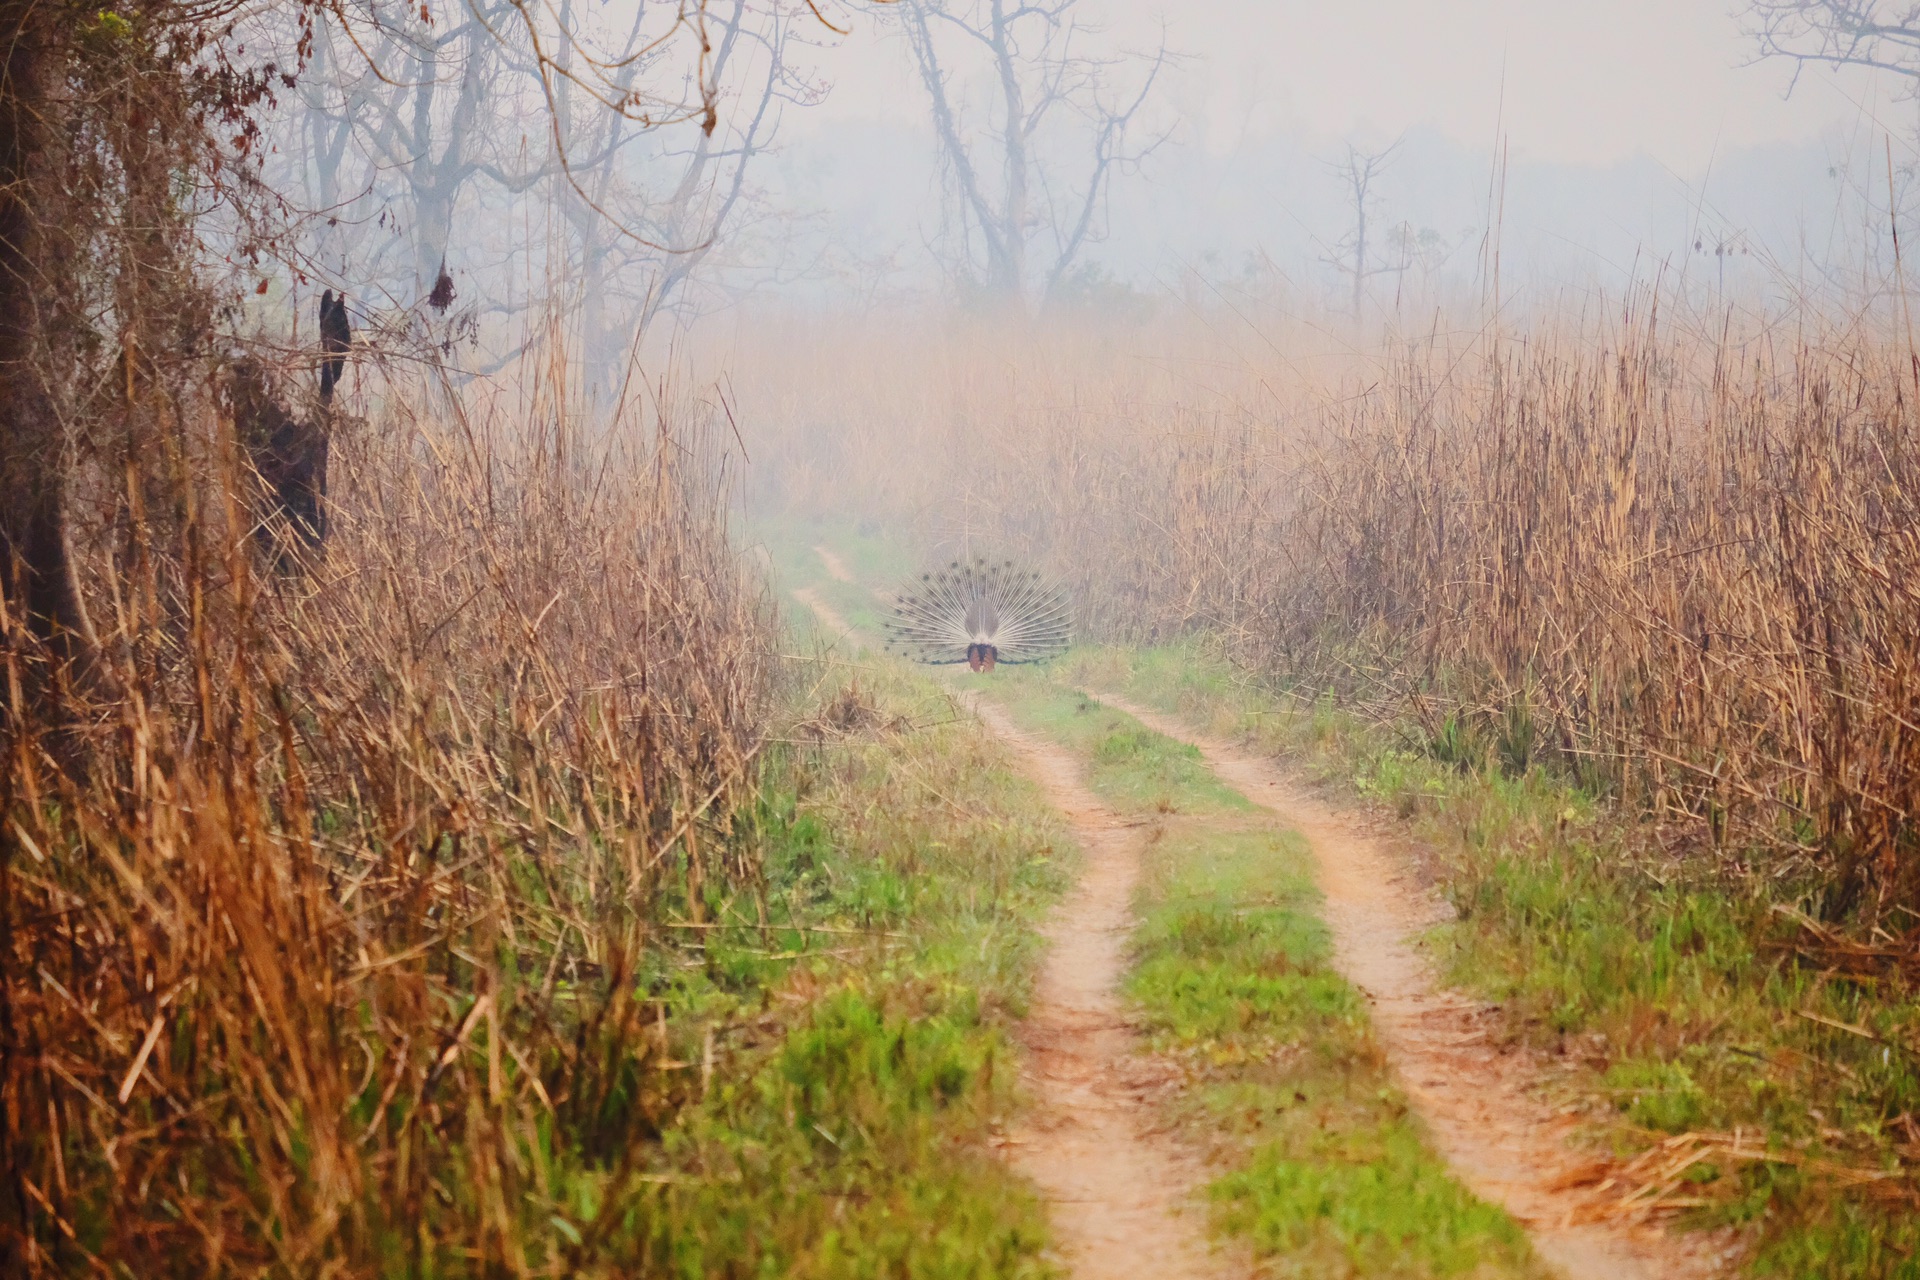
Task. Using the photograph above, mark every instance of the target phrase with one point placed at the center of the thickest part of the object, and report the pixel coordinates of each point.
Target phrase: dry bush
(323, 960)
(327, 881)
(1685, 566)
(1691, 572)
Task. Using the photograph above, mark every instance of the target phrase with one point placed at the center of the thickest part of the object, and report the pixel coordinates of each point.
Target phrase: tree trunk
(1360, 254)
(1010, 272)
(36, 573)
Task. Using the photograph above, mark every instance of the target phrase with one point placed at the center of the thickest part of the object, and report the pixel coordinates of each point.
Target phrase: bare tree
(1027, 175)
(1352, 255)
(653, 210)
(428, 133)
(1862, 33)
(1873, 34)
(131, 158)
(400, 122)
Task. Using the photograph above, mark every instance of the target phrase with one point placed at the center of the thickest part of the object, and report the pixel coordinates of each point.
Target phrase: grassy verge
(1680, 994)
(846, 1028)
(1326, 1172)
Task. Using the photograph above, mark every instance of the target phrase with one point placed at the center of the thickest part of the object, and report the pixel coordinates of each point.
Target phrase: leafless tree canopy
(421, 144)
(1353, 255)
(1027, 170)
(1865, 33)
(142, 206)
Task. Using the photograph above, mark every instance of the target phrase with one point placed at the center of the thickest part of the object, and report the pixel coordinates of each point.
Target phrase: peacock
(981, 613)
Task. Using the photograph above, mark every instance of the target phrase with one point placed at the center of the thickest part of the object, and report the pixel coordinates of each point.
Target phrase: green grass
(1134, 768)
(847, 1028)
(1669, 986)
(1326, 1173)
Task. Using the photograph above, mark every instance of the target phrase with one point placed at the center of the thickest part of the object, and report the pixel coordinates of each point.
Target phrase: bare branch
(1862, 33)
(1030, 54)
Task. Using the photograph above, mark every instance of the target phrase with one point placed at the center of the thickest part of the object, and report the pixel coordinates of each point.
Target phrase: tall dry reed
(319, 956)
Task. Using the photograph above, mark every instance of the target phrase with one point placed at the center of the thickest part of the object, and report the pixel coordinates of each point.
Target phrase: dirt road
(1478, 1102)
(1123, 1197)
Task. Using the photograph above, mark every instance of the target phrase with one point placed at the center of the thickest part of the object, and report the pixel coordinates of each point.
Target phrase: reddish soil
(1123, 1196)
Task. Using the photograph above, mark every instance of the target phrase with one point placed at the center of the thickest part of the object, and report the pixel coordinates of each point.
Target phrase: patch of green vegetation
(851, 1150)
(1328, 1174)
(846, 1029)
(1678, 988)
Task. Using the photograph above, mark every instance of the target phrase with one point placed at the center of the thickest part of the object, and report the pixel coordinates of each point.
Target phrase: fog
(1528, 151)
(1630, 131)
(433, 840)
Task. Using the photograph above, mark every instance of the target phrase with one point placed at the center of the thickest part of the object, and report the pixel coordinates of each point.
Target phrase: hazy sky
(1586, 83)
(1641, 135)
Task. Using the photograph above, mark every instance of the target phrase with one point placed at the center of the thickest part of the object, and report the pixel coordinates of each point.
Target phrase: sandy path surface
(1478, 1102)
(1123, 1198)
(836, 567)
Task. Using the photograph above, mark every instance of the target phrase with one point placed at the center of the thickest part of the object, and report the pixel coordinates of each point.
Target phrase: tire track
(1479, 1104)
(835, 566)
(1087, 1143)
(1125, 1199)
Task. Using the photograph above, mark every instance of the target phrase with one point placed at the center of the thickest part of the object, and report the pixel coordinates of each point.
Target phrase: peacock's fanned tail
(953, 614)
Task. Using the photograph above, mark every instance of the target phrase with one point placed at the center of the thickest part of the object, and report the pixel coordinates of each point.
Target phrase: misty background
(1178, 157)
(1630, 131)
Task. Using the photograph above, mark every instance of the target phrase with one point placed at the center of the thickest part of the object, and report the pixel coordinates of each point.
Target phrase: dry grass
(1689, 576)
(1657, 1180)
(324, 961)
(1685, 567)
